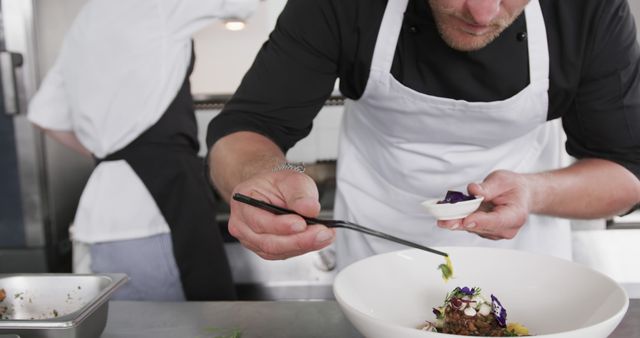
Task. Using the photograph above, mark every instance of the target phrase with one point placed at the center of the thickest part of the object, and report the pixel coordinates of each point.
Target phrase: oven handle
(9, 64)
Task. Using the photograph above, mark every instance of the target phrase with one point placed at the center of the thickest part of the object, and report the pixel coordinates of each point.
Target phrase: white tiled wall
(321, 144)
(612, 252)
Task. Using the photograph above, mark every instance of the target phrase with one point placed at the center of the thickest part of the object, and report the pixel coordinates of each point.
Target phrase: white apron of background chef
(399, 147)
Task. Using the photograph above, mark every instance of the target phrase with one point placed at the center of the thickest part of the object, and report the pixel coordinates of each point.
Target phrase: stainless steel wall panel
(19, 40)
(11, 233)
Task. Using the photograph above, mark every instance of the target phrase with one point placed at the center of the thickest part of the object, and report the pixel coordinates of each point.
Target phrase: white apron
(399, 147)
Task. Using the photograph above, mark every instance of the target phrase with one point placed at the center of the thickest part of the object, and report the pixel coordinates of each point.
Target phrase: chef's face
(468, 25)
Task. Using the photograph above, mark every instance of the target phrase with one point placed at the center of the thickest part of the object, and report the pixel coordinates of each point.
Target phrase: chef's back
(120, 84)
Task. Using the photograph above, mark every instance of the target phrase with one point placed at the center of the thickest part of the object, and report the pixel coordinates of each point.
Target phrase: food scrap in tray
(467, 312)
(23, 301)
(3, 308)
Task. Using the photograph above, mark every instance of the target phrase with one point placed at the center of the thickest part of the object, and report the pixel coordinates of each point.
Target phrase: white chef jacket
(121, 64)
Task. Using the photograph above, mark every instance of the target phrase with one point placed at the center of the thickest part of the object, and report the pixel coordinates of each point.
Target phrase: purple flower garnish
(467, 291)
(457, 303)
(499, 311)
(455, 197)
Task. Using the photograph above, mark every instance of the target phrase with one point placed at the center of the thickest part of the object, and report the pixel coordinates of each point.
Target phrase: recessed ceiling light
(234, 24)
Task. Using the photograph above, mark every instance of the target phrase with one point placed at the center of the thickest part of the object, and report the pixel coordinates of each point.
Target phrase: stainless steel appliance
(22, 236)
(40, 182)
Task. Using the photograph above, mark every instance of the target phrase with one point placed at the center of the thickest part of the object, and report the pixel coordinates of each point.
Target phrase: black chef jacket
(594, 70)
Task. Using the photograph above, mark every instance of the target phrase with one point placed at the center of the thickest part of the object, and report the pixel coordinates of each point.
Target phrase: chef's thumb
(478, 190)
(300, 194)
(491, 187)
(304, 204)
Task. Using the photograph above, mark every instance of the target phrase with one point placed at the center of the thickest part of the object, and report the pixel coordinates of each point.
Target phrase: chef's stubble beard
(447, 32)
(467, 46)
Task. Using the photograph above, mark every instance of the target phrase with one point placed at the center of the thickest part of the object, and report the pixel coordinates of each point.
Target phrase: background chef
(441, 93)
(119, 91)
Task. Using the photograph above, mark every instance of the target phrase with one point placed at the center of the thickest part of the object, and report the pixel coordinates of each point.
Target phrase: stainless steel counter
(296, 319)
(256, 319)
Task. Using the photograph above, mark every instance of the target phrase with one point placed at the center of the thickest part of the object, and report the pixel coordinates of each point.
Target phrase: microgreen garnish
(224, 332)
(447, 269)
(460, 292)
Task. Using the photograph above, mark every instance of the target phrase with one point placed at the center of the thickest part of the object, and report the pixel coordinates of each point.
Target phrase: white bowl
(390, 295)
(445, 211)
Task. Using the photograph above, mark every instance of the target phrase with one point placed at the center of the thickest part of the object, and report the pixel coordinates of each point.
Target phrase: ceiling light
(234, 24)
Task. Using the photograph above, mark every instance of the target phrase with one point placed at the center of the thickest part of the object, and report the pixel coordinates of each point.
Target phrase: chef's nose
(483, 11)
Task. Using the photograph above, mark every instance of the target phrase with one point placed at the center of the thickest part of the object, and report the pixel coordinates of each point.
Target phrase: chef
(119, 91)
(442, 94)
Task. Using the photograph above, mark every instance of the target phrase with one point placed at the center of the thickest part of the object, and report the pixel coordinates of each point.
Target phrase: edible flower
(455, 197)
(464, 292)
(499, 311)
(467, 291)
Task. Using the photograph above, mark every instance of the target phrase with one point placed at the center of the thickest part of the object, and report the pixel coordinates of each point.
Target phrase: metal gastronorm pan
(57, 305)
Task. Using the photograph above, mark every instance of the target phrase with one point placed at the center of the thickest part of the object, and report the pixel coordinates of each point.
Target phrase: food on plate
(447, 269)
(2, 294)
(467, 312)
(453, 196)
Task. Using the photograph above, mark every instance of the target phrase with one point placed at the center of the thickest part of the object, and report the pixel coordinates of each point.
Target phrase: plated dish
(392, 294)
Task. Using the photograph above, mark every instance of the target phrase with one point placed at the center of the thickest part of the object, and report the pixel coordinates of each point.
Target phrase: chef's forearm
(68, 139)
(588, 189)
(239, 156)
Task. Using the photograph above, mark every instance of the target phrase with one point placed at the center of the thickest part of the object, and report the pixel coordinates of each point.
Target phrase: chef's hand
(503, 211)
(279, 236)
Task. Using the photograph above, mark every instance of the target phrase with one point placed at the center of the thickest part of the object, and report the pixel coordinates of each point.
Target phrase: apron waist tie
(175, 179)
(132, 149)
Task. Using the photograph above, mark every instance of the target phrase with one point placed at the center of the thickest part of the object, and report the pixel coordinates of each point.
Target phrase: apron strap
(391, 26)
(537, 42)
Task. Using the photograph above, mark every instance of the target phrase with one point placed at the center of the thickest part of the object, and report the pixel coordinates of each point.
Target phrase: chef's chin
(467, 41)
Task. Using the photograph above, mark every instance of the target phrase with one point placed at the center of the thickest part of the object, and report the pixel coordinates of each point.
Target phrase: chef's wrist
(539, 192)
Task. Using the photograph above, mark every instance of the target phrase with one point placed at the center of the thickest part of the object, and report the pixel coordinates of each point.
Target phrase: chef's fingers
(264, 222)
(274, 247)
(476, 189)
(451, 224)
(456, 224)
(502, 222)
(299, 193)
(304, 205)
(496, 184)
(275, 240)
